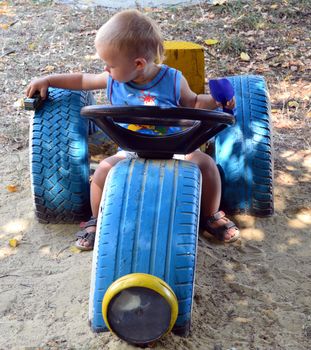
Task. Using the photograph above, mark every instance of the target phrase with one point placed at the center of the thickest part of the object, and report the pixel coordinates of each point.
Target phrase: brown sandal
(88, 236)
(221, 231)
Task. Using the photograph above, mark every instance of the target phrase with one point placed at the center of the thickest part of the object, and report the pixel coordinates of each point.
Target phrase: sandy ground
(253, 294)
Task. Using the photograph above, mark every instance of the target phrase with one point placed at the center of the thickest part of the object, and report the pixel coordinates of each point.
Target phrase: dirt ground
(253, 294)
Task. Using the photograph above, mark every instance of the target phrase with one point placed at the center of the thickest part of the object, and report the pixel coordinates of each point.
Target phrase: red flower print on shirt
(147, 99)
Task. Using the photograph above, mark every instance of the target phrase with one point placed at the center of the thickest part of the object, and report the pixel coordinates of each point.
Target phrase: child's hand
(229, 105)
(41, 85)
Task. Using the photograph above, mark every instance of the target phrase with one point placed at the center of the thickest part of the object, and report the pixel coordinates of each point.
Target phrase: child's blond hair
(133, 33)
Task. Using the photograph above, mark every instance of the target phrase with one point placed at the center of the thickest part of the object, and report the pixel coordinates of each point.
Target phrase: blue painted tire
(244, 152)
(148, 223)
(59, 158)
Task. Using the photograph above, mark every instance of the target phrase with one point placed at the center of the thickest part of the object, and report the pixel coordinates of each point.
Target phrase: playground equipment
(149, 215)
(145, 248)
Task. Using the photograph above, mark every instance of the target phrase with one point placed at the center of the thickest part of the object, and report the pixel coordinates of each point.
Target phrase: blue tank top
(163, 90)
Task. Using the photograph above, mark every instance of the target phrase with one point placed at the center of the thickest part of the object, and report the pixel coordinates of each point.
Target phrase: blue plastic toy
(222, 91)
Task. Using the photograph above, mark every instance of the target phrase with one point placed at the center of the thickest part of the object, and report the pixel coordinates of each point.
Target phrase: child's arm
(74, 81)
(190, 99)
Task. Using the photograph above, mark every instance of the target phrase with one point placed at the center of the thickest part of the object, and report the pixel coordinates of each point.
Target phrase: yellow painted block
(187, 57)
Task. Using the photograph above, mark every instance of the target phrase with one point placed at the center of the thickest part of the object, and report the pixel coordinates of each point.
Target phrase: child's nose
(106, 69)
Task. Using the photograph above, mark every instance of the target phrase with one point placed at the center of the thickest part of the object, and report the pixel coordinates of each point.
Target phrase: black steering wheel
(201, 126)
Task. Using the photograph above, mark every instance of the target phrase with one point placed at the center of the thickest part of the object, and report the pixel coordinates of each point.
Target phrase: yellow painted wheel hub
(140, 308)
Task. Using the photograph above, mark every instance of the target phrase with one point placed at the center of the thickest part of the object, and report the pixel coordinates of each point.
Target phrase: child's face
(118, 65)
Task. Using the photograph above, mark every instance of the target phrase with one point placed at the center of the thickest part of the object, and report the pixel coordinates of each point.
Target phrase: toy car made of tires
(146, 240)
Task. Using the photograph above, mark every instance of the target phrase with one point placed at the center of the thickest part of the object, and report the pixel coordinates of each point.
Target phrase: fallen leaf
(74, 249)
(11, 188)
(48, 69)
(211, 41)
(5, 11)
(32, 46)
(13, 242)
(7, 25)
(274, 6)
(293, 104)
(245, 57)
(250, 33)
(218, 2)
(91, 57)
(4, 26)
(19, 104)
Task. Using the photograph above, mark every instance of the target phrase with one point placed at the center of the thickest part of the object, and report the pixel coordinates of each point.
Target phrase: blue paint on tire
(148, 223)
(243, 152)
(59, 158)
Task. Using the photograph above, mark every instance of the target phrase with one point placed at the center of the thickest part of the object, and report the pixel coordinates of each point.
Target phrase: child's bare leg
(211, 191)
(97, 186)
(99, 179)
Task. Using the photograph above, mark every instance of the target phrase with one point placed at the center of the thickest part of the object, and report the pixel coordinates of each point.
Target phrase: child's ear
(140, 63)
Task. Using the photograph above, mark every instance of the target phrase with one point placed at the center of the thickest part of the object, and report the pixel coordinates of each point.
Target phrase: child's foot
(221, 228)
(86, 237)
